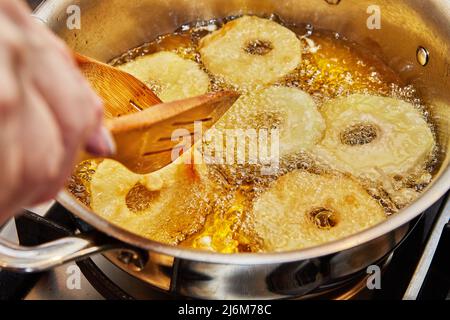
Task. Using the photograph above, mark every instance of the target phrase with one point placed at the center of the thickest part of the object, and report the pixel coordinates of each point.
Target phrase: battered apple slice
(165, 206)
(170, 76)
(367, 135)
(302, 210)
(284, 122)
(249, 52)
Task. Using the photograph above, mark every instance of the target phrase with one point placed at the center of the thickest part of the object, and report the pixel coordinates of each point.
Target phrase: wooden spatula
(143, 135)
(144, 140)
(121, 92)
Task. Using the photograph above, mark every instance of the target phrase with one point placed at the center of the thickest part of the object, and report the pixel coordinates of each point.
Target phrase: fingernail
(102, 143)
(109, 141)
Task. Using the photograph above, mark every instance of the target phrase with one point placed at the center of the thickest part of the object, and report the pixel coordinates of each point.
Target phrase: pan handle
(40, 258)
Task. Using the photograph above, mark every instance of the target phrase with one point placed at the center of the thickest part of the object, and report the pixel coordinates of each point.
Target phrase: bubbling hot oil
(331, 67)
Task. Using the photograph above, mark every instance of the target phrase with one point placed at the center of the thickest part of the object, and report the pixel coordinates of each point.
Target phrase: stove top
(418, 269)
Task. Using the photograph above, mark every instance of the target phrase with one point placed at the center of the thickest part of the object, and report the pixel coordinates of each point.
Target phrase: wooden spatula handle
(122, 93)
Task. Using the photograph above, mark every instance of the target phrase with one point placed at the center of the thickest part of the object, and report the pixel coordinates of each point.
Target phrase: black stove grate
(34, 230)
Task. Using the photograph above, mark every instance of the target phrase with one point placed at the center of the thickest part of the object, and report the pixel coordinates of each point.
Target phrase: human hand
(48, 112)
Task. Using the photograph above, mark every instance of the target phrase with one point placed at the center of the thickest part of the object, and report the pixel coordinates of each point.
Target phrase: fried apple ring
(251, 51)
(165, 206)
(367, 135)
(302, 210)
(169, 76)
(291, 111)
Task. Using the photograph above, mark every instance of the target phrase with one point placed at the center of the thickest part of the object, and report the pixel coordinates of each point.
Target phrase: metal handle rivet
(423, 56)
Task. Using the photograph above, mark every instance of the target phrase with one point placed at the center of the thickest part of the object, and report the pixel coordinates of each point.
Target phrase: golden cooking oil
(331, 67)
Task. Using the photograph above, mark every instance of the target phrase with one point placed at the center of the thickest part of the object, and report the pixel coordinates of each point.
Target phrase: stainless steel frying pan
(109, 28)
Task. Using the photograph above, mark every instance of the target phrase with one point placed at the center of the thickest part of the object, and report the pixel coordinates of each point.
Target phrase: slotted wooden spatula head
(144, 140)
(121, 92)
